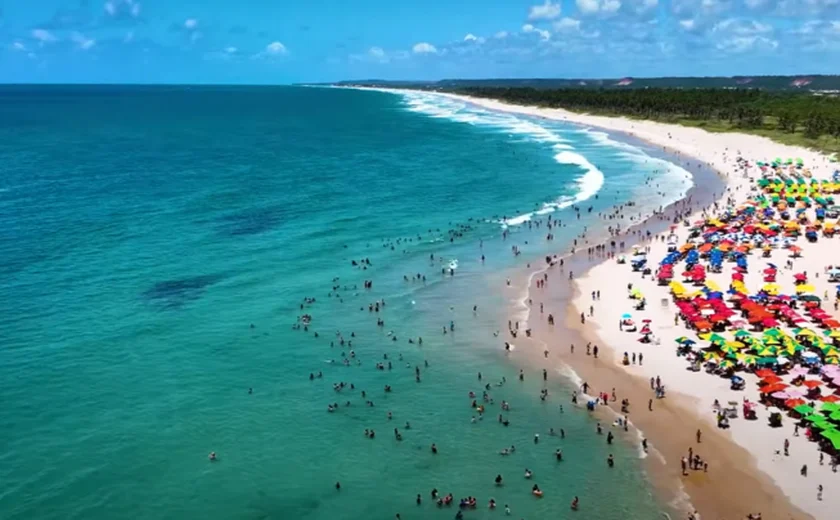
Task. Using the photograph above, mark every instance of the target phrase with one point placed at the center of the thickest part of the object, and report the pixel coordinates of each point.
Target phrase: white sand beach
(719, 151)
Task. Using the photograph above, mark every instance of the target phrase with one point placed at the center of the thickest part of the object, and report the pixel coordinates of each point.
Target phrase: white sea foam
(670, 178)
(589, 184)
(442, 107)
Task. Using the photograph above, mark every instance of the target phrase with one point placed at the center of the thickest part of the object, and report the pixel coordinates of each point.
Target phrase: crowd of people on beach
(619, 221)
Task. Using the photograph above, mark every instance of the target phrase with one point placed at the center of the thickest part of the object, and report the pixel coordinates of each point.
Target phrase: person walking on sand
(698, 435)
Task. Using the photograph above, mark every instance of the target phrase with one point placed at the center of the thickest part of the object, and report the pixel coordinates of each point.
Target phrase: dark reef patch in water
(174, 294)
(251, 221)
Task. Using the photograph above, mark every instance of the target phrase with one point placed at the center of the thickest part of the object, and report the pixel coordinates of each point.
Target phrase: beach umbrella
(793, 403)
(765, 372)
(833, 436)
(728, 350)
(804, 409)
(717, 338)
(625, 316)
(743, 334)
(775, 333)
(829, 407)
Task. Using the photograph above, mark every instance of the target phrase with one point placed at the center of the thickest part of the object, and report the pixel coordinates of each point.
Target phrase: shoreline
(744, 485)
(737, 484)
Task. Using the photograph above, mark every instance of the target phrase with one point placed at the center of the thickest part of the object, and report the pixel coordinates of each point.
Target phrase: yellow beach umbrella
(805, 288)
(771, 288)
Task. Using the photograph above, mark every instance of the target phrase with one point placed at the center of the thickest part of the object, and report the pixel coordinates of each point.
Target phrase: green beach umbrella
(729, 350)
(766, 361)
(717, 338)
(833, 436)
(829, 407)
(743, 334)
(804, 409)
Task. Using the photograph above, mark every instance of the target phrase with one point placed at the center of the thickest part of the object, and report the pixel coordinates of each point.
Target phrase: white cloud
(528, 28)
(739, 44)
(190, 24)
(546, 11)
(122, 8)
(82, 41)
(376, 54)
(741, 27)
(129, 37)
(424, 48)
(694, 7)
(755, 4)
(595, 6)
(231, 50)
(19, 46)
(43, 36)
(567, 25)
(688, 24)
(275, 48)
(471, 38)
(501, 35)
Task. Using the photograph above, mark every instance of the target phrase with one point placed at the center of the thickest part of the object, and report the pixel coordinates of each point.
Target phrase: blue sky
(280, 41)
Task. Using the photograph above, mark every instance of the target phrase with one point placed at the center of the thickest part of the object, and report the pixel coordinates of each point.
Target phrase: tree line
(812, 115)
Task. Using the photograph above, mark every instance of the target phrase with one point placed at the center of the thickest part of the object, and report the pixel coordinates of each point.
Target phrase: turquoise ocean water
(156, 246)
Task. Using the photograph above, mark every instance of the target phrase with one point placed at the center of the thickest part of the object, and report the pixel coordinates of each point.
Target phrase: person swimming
(212, 456)
(498, 480)
(528, 473)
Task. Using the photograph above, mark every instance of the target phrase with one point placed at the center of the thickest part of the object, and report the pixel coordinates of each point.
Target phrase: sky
(283, 41)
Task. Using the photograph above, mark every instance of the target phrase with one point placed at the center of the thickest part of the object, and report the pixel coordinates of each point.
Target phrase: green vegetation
(796, 118)
(813, 83)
